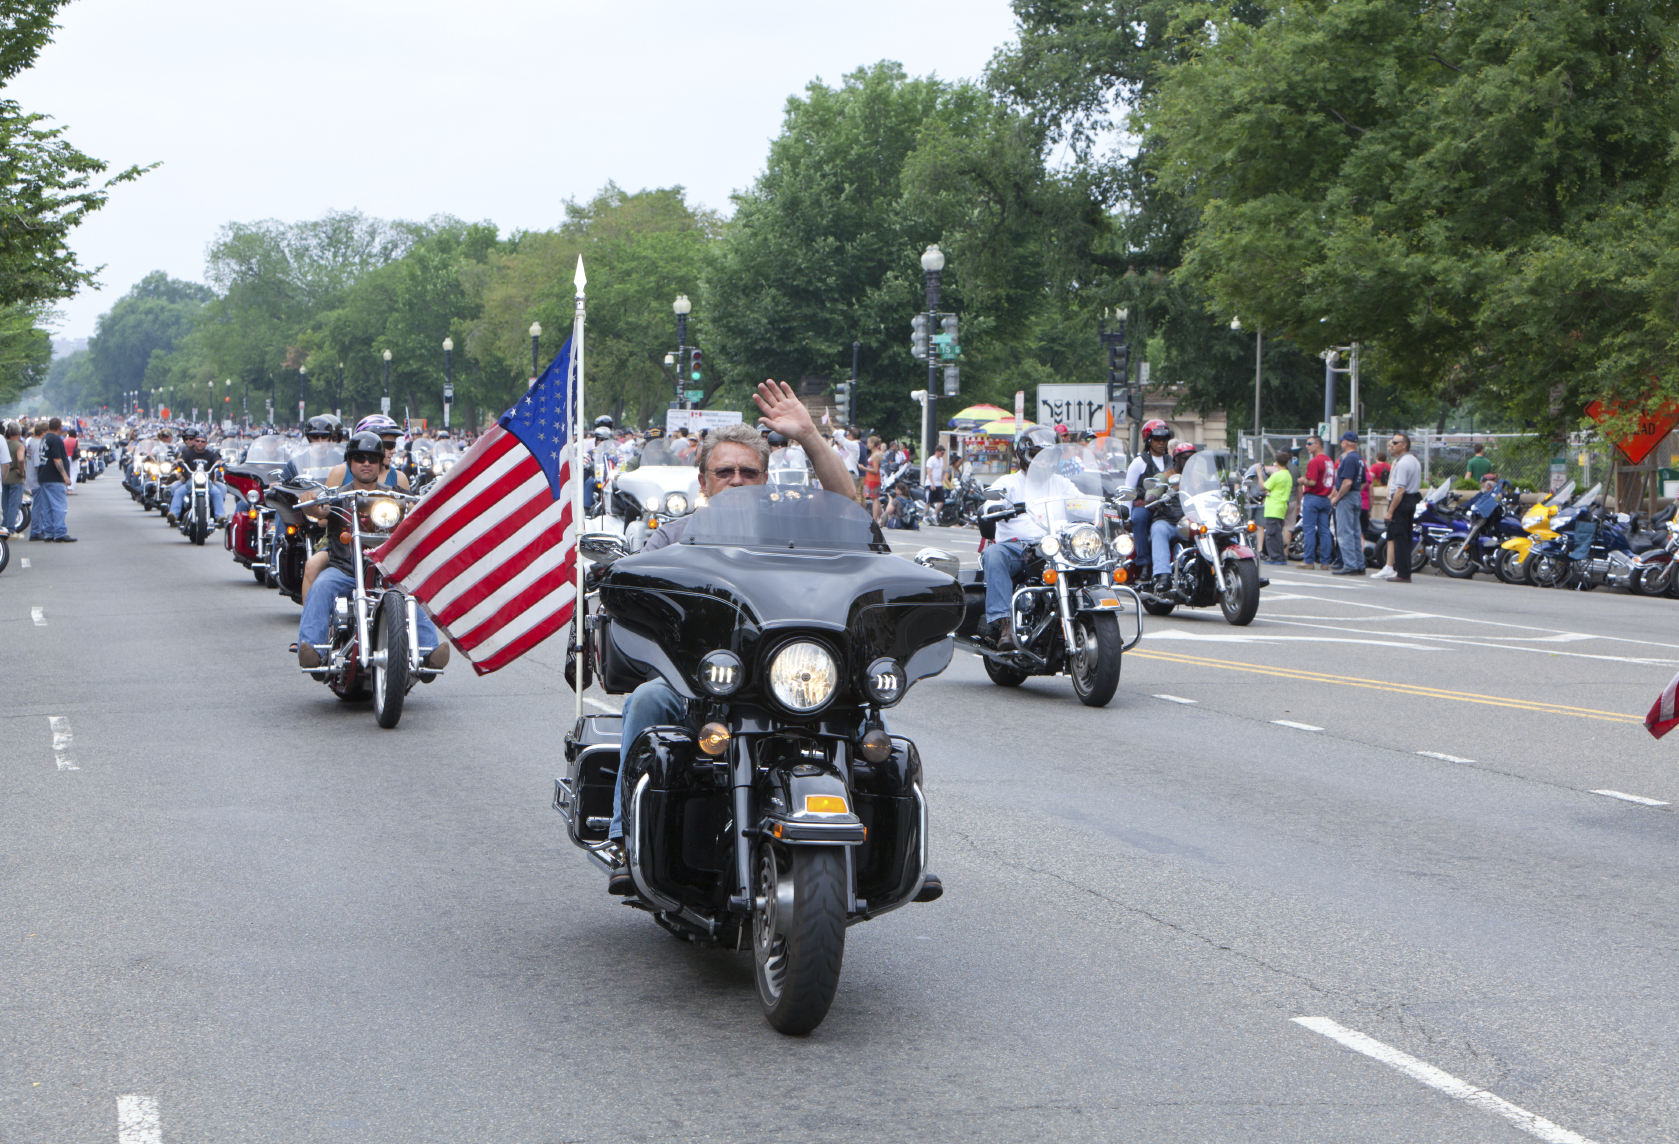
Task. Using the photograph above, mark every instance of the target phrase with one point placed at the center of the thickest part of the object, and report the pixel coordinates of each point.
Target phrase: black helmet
(367, 444)
(321, 426)
(1031, 442)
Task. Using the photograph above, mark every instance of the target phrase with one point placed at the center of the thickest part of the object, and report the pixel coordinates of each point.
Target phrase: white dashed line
(61, 740)
(138, 1121)
(25, 560)
(1296, 726)
(602, 706)
(1177, 699)
(1462, 1090)
(39, 615)
(1443, 758)
(1638, 798)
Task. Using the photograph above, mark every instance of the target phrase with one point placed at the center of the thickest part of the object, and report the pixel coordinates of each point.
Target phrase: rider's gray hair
(741, 434)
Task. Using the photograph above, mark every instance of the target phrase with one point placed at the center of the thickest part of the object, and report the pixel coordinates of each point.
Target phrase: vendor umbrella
(1006, 427)
(975, 416)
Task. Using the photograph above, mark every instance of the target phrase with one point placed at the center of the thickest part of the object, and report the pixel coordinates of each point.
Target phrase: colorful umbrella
(1006, 427)
(975, 416)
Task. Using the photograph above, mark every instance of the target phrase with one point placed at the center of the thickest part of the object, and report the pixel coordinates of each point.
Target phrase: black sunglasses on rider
(365, 458)
(727, 473)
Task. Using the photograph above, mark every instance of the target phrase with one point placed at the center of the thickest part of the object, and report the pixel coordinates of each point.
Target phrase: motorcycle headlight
(721, 672)
(201, 478)
(884, 681)
(1124, 545)
(252, 496)
(1229, 516)
(1049, 546)
(676, 504)
(803, 675)
(1532, 519)
(651, 504)
(384, 514)
(1085, 544)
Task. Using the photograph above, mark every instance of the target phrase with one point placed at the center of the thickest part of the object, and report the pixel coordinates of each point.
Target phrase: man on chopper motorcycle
(731, 456)
(388, 432)
(1151, 463)
(1005, 559)
(1167, 511)
(195, 449)
(364, 470)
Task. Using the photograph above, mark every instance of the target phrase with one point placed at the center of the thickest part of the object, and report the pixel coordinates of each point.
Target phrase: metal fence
(1529, 462)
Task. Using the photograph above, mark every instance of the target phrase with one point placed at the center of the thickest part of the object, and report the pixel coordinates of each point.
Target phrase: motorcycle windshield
(661, 451)
(1109, 458)
(1200, 490)
(770, 516)
(1063, 487)
(317, 460)
(789, 466)
(1561, 495)
(1439, 494)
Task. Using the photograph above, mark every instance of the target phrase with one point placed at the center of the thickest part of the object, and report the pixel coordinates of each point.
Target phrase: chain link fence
(1530, 462)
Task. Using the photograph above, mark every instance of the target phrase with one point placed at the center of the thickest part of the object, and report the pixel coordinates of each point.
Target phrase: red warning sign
(1652, 427)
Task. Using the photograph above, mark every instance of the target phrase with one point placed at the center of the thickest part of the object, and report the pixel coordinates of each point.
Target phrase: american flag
(491, 550)
(1663, 717)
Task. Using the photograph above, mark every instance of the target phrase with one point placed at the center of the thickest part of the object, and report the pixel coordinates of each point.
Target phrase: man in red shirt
(1314, 505)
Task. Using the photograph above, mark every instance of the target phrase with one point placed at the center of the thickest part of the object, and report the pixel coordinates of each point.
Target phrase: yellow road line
(1400, 688)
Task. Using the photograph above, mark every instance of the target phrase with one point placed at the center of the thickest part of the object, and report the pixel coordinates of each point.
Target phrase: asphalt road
(234, 909)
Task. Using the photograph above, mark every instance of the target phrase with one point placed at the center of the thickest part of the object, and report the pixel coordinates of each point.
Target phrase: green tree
(147, 322)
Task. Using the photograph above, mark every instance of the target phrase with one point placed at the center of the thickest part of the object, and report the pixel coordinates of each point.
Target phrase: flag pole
(577, 636)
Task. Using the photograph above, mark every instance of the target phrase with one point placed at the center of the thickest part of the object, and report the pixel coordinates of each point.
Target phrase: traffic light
(1134, 406)
(952, 378)
(1119, 372)
(918, 341)
(947, 327)
(842, 401)
(696, 370)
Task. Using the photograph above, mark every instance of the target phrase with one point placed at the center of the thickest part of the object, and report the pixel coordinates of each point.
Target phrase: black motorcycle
(791, 812)
(196, 521)
(962, 505)
(1213, 561)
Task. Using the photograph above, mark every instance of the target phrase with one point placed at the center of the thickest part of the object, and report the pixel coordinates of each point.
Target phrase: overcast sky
(499, 110)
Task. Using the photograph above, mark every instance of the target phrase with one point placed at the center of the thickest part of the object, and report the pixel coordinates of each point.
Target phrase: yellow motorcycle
(1514, 566)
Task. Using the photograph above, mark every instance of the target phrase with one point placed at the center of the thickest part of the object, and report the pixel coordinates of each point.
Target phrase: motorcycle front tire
(5, 553)
(390, 682)
(1547, 571)
(1510, 567)
(1095, 666)
(1240, 600)
(198, 530)
(1454, 559)
(798, 933)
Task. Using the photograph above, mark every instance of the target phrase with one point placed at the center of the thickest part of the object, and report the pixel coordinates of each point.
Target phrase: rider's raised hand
(783, 412)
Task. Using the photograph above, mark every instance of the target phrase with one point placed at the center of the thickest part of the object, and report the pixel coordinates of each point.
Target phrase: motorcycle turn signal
(714, 739)
(875, 746)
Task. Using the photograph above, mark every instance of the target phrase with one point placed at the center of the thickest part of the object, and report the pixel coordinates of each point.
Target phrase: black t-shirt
(52, 449)
(188, 459)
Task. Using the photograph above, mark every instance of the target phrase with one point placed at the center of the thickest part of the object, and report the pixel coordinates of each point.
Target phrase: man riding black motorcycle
(732, 456)
(364, 471)
(1004, 559)
(194, 451)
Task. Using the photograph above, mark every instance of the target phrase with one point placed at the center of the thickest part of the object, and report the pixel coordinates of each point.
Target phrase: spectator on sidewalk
(11, 480)
(1403, 493)
(1314, 505)
(31, 471)
(1278, 486)
(51, 504)
(1349, 482)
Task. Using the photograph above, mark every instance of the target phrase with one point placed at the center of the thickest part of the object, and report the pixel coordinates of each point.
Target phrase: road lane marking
(1262, 638)
(61, 740)
(39, 615)
(601, 706)
(1443, 758)
(1177, 699)
(1638, 798)
(1398, 688)
(25, 560)
(138, 1120)
(1531, 1123)
(1296, 726)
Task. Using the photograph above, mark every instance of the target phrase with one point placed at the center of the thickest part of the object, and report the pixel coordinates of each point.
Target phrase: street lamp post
(1258, 357)
(448, 378)
(536, 338)
(302, 390)
(385, 401)
(338, 403)
(682, 307)
(932, 261)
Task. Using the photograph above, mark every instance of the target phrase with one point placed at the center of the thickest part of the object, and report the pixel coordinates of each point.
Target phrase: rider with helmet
(196, 448)
(1166, 512)
(1151, 462)
(1005, 559)
(386, 431)
(364, 470)
(318, 431)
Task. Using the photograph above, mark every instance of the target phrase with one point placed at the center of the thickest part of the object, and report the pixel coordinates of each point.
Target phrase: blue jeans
(1002, 563)
(180, 498)
(52, 504)
(1140, 517)
(1160, 536)
(1349, 526)
(331, 584)
(1314, 518)
(11, 505)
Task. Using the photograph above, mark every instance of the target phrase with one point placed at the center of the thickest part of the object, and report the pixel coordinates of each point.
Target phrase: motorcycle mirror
(993, 494)
(1126, 493)
(602, 547)
(938, 559)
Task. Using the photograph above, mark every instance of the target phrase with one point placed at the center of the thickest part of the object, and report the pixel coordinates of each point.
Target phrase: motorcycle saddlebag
(973, 595)
(584, 796)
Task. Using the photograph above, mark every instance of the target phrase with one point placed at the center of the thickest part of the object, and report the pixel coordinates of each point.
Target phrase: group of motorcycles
(373, 647)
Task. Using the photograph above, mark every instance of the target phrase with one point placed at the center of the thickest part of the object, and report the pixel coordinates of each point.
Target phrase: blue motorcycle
(1494, 516)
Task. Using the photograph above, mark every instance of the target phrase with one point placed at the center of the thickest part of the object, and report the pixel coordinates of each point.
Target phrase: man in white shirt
(1004, 559)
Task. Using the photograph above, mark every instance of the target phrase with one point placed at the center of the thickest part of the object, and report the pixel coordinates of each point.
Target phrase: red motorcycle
(249, 534)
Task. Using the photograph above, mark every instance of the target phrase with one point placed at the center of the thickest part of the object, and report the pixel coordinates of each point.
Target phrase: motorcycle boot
(1000, 633)
(1163, 584)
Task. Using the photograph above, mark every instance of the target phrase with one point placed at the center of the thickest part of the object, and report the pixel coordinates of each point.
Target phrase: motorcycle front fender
(1238, 552)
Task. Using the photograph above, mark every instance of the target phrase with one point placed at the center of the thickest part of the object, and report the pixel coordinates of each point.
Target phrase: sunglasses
(727, 473)
(365, 458)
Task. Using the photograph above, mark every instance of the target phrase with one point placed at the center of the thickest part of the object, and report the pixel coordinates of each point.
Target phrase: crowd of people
(42, 463)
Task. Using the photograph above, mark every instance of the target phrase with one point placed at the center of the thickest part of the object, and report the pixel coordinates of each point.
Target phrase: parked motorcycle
(1067, 601)
(373, 639)
(1492, 517)
(1214, 561)
(793, 812)
(963, 503)
(1657, 571)
(1514, 565)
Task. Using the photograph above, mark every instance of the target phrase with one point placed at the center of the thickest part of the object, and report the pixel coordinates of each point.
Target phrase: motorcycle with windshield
(659, 484)
(782, 810)
(250, 528)
(1213, 561)
(373, 638)
(1493, 516)
(1515, 563)
(295, 533)
(1067, 601)
(196, 520)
